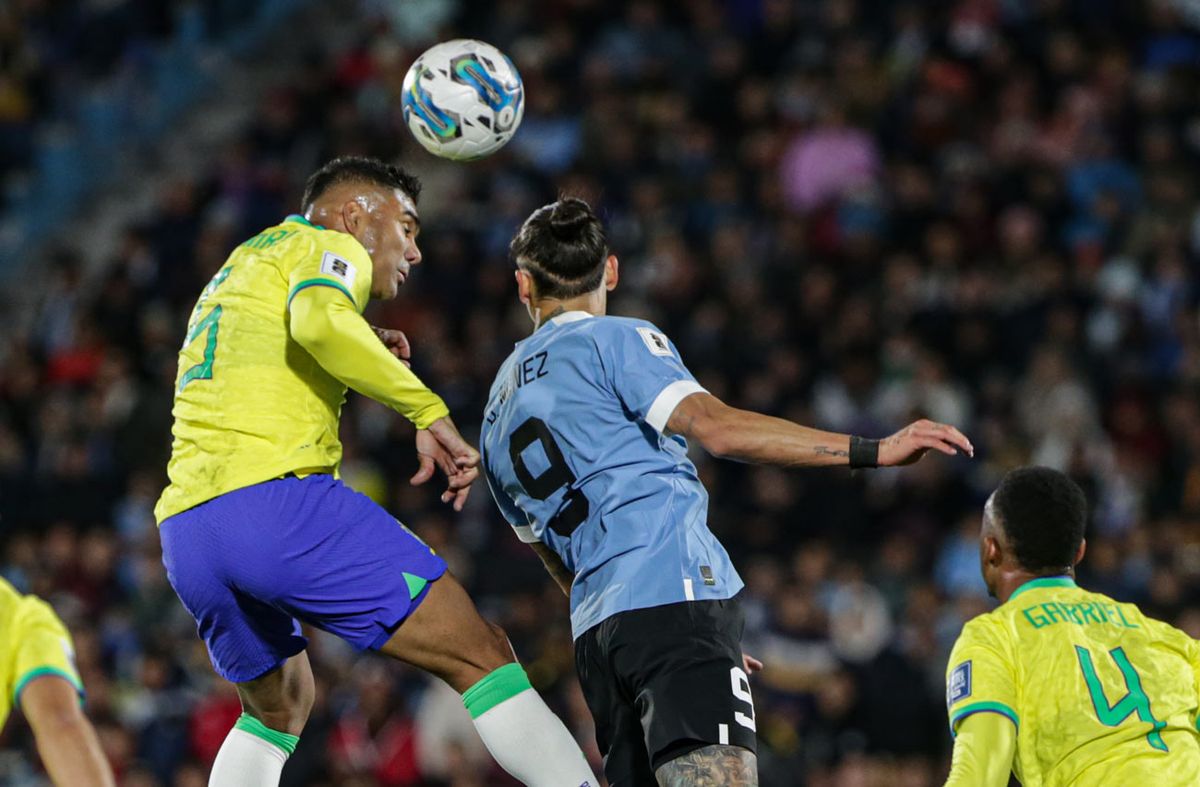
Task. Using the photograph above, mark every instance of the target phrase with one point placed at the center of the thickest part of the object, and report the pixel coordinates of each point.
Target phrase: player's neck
(1010, 580)
(547, 309)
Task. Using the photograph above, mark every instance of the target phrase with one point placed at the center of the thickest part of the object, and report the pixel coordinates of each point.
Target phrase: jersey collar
(567, 317)
(1043, 582)
(296, 217)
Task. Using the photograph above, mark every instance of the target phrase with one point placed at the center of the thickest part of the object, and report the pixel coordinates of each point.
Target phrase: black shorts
(663, 682)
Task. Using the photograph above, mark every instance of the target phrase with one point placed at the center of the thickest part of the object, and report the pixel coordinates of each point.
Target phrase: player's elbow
(714, 436)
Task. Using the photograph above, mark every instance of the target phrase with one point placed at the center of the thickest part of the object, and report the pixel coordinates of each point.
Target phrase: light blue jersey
(575, 455)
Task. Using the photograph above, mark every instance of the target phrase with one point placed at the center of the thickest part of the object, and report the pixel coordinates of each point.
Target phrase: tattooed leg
(712, 766)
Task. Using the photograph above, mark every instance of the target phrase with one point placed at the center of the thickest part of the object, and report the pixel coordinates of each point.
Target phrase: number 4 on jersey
(1134, 701)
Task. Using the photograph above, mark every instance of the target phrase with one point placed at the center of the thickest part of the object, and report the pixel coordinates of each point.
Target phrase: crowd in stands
(849, 213)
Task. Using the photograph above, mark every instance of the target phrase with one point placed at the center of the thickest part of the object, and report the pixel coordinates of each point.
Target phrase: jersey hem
(187, 504)
(578, 630)
(982, 707)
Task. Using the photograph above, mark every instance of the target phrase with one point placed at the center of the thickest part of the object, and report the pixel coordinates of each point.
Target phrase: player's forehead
(401, 206)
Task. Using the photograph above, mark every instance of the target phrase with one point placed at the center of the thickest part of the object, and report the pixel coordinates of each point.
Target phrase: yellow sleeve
(334, 260)
(43, 647)
(325, 322)
(983, 752)
(981, 676)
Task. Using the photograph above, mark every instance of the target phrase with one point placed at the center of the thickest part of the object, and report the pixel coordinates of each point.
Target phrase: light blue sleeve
(645, 370)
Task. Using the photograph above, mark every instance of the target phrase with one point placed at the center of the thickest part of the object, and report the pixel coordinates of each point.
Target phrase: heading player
(259, 534)
(1059, 685)
(37, 672)
(584, 450)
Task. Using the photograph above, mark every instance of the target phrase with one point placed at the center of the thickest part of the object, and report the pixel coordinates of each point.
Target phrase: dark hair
(358, 169)
(563, 248)
(1043, 513)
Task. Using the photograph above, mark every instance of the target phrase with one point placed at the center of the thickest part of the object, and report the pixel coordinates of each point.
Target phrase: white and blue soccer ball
(463, 99)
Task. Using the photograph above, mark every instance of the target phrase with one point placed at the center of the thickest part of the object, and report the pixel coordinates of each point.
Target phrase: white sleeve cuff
(668, 399)
(525, 533)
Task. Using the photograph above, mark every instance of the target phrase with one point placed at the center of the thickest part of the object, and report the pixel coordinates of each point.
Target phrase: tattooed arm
(745, 436)
(711, 766)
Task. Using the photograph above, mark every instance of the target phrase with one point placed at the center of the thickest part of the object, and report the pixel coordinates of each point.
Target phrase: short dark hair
(1043, 513)
(562, 246)
(358, 169)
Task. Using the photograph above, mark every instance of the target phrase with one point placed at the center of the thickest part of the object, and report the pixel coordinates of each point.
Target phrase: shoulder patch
(339, 268)
(958, 687)
(656, 342)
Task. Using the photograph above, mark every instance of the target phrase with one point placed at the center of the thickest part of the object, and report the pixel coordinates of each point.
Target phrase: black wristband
(863, 452)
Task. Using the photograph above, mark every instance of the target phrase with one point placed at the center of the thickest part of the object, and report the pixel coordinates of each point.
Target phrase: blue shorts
(252, 563)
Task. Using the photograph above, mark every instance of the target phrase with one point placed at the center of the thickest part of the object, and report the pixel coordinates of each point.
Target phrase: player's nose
(412, 254)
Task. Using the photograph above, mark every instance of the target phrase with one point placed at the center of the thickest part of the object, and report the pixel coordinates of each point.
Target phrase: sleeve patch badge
(656, 342)
(959, 685)
(339, 268)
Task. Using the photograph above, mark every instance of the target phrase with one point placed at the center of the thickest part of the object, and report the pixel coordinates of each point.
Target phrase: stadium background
(845, 212)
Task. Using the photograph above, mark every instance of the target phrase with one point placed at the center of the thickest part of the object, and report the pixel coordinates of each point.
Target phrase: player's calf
(711, 766)
(447, 636)
(275, 709)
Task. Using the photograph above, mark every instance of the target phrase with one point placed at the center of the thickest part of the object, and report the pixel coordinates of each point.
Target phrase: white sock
(524, 736)
(252, 755)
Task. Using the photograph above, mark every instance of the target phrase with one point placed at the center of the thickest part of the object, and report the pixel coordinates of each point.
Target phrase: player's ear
(611, 273)
(1079, 553)
(353, 216)
(524, 286)
(992, 554)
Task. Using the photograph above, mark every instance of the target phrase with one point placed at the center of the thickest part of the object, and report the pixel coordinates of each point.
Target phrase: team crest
(338, 267)
(656, 343)
(959, 685)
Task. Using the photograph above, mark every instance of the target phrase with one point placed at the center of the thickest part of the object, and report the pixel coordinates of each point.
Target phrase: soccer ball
(463, 99)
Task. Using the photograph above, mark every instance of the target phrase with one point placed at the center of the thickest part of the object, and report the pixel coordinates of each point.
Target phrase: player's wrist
(864, 452)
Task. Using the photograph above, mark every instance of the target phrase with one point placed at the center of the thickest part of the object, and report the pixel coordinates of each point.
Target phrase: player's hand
(441, 447)
(913, 441)
(397, 344)
(751, 664)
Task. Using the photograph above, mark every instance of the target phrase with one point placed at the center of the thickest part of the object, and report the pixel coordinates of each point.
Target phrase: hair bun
(569, 219)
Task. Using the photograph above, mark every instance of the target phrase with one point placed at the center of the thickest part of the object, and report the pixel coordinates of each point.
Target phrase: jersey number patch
(210, 323)
(553, 478)
(1134, 701)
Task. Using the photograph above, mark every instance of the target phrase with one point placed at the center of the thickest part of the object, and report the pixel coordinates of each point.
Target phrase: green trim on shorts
(280, 740)
(497, 686)
(415, 584)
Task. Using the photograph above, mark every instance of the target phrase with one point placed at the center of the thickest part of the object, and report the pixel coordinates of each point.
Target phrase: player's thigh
(447, 636)
(283, 697)
(711, 766)
(618, 724)
(683, 663)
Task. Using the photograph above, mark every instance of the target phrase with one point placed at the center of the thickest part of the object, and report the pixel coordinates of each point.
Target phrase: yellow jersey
(1100, 694)
(33, 643)
(251, 404)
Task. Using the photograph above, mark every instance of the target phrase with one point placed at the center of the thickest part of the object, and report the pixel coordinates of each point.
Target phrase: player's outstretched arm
(983, 751)
(69, 747)
(746, 436)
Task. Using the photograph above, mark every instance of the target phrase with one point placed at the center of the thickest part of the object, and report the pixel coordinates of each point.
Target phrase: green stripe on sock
(280, 740)
(496, 687)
